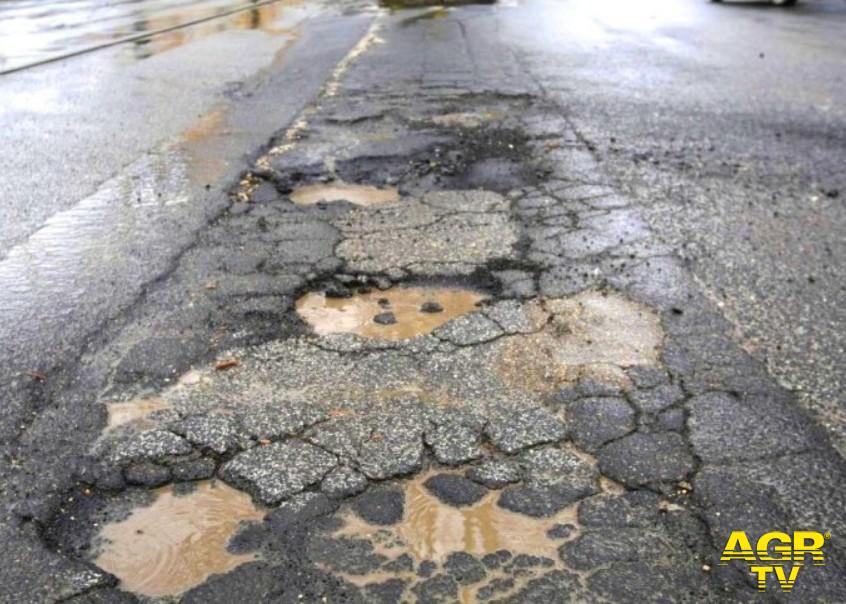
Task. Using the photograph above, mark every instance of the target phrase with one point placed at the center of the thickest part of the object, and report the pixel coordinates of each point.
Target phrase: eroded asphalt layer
(595, 379)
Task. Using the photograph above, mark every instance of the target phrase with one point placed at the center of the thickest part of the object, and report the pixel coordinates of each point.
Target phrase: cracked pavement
(596, 396)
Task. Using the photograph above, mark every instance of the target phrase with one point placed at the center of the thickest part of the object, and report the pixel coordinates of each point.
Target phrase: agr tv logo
(776, 554)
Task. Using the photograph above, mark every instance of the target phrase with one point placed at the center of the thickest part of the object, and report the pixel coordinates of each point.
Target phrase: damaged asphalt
(596, 393)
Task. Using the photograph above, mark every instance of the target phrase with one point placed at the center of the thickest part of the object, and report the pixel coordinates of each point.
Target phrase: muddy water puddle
(178, 541)
(432, 530)
(397, 313)
(360, 195)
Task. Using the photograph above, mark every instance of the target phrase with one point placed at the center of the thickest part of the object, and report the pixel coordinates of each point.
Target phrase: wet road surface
(37, 32)
(553, 305)
(126, 177)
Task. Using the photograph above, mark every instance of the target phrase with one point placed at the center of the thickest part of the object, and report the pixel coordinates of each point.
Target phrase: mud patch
(134, 412)
(593, 335)
(360, 195)
(401, 4)
(398, 313)
(178, 541)
(468, 119)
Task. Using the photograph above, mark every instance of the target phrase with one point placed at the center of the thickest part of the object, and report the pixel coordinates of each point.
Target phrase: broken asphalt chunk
(453, 443)
(525, 428)
(473, 328)
(151, 445)
(454, 490)
(275, 472)
(640, 458)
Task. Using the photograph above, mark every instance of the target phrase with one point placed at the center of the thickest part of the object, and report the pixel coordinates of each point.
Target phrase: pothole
(431, 529)
(134, 412)
(397, 313)
(177, 542)
(360, 195)
(514, 548)
(593, 335)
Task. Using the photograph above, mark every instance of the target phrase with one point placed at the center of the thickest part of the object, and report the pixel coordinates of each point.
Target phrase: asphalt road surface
(515, 301)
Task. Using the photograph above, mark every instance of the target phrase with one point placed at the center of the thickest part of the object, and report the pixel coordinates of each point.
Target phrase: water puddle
(431, 530)
(134, 411)
(266, 18)
(360, 195)
(398, 313)
(591, 335)
(178, 541)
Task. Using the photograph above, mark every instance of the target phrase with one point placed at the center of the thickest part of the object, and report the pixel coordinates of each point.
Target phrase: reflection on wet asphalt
(36, 31)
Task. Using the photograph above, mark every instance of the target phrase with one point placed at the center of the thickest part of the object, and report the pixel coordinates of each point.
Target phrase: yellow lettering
(808, 542)
(783, 550)
(762, 572)
(786, 581)
(738, 548)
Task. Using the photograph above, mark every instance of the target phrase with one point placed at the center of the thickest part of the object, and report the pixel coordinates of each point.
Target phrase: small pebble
(385, 318)
(431, 307)
(336, 290)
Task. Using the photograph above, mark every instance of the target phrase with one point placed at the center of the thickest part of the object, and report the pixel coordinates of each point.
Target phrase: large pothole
(431, 529)
(449, 380)
(397, 313)
(178, 541)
